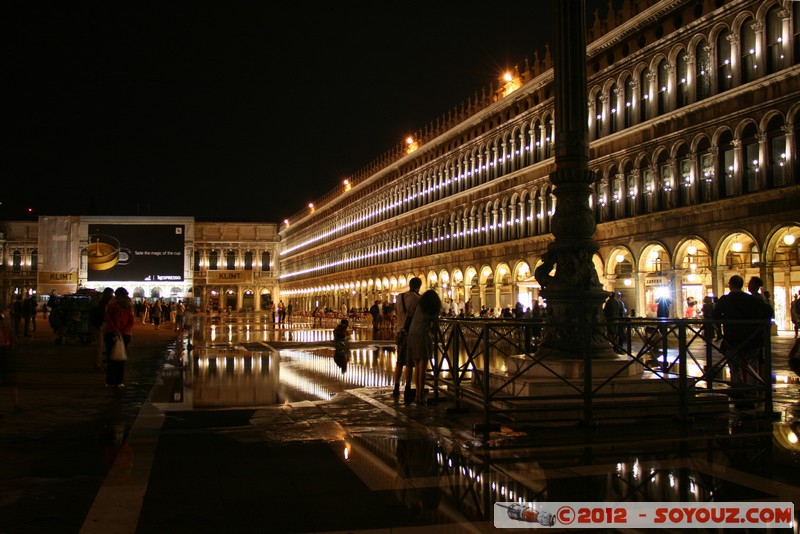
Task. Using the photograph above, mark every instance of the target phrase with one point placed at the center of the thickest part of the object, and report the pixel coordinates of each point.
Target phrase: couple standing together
(416, 315)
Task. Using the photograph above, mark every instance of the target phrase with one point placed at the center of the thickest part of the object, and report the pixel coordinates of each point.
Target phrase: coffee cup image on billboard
(104, 252)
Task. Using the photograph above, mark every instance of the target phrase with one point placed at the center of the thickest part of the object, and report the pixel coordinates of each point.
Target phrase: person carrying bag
(118, 351)
(405, 309)
(117, 335)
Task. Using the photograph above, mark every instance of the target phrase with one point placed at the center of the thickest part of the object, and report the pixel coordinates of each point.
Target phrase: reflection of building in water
(259, 375)
(469, 481)
(231, 377)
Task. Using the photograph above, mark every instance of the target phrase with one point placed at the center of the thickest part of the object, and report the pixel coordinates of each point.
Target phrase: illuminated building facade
(693, 127)
(693, 124)
(214, 265)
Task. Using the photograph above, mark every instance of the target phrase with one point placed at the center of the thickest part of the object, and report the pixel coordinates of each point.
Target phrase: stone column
(573, 292)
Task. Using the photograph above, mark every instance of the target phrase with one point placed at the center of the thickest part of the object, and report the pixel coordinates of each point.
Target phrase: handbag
(402, 334)
(118, 352)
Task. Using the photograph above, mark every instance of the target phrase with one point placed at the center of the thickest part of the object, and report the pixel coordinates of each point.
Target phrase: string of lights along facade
(693, 126)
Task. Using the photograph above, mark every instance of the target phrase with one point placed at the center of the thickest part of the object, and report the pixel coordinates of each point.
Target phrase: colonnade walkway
(160, 456)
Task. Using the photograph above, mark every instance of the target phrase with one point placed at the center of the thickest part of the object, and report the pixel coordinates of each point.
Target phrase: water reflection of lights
(361, 369)
(302, 383)
(786, 435)
(319, 334)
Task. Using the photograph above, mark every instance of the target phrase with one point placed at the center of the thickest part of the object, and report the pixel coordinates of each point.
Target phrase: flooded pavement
(245, 427)
(427, 467)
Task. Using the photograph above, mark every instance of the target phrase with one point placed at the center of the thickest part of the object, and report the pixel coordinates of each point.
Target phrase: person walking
(118, 321)
(406, 303)
(97, 315)
(16, 315)
(612, 311)
(180, 314)
(707, 311)
(796, 314)
(420, 337)
(741, 341)
(155, 313)
(375, 311)
(8, 367)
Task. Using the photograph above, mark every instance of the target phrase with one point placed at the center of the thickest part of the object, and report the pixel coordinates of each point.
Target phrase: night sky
(231, 110)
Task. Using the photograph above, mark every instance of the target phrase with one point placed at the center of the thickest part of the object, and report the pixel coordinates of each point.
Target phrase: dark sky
(231, 110)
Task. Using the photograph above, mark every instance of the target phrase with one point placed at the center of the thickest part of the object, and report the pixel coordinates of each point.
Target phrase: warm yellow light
(409, 140)
(789, 239)
(628, 282)
(620, 258)
(692, 250)
(507, 76)
(736, 246)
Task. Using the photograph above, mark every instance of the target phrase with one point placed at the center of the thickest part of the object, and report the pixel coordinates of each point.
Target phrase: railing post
(767, 369)
(709, 331)
(588, 413)
(682, 362)
(438, 342)
(486, 400)
(455, 362)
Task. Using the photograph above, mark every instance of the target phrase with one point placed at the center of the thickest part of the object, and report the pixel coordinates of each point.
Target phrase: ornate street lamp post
(573, 292)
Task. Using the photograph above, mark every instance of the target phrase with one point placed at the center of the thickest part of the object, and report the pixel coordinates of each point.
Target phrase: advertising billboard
(135, 252)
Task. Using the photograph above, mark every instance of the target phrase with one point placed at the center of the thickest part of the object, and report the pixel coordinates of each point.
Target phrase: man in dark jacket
(744, 322)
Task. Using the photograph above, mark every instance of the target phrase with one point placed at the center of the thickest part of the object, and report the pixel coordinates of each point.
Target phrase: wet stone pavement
(183, 448)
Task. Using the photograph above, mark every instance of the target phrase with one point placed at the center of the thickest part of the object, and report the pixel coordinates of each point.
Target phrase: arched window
(548, 137)
(687, 182)
(196, 261)
(663, 87)
(598, 115)
(775, 40)
(667, 184)
(682, 80)
(724, 74)
(751, 166)
(632, 191)
(230, 260)
(35, 260)
(613, 100)
(705, 179)
(628, 113)
(213, 259)
(726, 169)
(16, 261)
(618, 196)
(248, 261)
(265, 261)
(702, 71)
(747, 52)
(538, 149)
(649, 193)
(776, 158)
(644, 94)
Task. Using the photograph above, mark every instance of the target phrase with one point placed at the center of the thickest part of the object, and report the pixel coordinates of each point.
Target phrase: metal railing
(662, 367)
